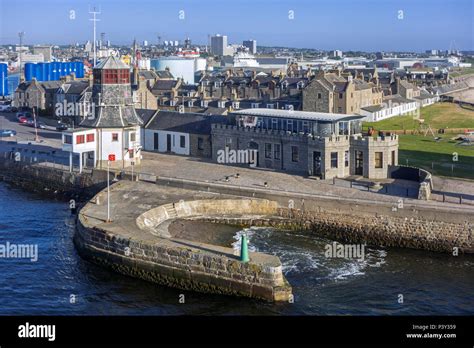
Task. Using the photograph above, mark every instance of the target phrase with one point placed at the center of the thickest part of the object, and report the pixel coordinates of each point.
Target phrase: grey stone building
(306, 143)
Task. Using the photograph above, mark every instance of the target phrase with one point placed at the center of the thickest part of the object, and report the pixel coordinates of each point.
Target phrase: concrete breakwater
(137, 245)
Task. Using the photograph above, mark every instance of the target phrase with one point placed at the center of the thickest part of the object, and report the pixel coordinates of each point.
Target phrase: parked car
(61, 127)
(7, 133)
(22, 119)
(26, 114)
(39, 124)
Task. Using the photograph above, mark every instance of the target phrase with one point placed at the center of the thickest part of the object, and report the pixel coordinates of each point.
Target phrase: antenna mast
(94, 19)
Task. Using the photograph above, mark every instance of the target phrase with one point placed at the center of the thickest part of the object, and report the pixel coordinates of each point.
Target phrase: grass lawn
(437, 157)
(439, 115)
(425, 152)
(463, 71)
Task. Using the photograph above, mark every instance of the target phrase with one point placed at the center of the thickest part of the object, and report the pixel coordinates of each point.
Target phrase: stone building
(332, 92)
(306, 143)
(143, 98)
(35, 94)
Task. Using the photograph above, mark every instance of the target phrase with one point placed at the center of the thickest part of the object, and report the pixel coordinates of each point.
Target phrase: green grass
(425, 152)
(462, 71)
(437, 157)
(439, 115)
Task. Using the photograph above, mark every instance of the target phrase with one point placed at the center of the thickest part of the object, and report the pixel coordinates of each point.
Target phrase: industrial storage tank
(200, 64)
(55, 70)
(30, 71)
(78, 69)
(3, 79)
(63, 70)
(179, 67)
(39, 71)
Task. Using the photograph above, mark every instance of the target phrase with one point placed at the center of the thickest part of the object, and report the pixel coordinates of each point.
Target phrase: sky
(366, 25)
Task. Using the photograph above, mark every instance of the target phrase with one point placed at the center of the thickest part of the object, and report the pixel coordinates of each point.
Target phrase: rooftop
(306, 115)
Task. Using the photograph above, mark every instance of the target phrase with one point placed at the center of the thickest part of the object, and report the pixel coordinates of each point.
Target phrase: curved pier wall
(183, 266)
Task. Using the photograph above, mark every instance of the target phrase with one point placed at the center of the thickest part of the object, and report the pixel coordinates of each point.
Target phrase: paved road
(49, 137)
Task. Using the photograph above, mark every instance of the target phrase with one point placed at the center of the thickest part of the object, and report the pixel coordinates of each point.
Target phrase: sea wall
(43, 179)
(184, 264)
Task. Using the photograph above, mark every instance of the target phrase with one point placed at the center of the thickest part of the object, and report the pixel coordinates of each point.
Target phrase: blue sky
(369, 25)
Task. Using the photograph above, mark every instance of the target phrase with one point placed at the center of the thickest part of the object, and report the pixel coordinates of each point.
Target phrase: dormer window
(284, 85)
(235, 105)
(300, 84)
(217, 84)
(204, 103)
(221, 103)
(190, 103)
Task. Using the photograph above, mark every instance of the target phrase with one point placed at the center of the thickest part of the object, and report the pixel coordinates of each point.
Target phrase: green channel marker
(244, 250)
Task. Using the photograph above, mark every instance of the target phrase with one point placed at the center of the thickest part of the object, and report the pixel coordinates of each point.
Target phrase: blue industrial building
(3, 79)
(52, 71)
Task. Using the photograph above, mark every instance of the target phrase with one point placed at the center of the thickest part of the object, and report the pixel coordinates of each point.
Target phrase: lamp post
(111, 158)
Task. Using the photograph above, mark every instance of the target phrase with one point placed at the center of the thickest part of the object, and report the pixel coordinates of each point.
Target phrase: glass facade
(295, 125)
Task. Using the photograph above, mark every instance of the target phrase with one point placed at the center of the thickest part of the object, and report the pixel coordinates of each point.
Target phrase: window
(305, 126)
(379, 160)
(114, 136)
(393, 158)
(255, 105)
(346, 158)
(274, 123)
(200, 144)
(133, 136)
(294, 153)
(333, 159)
(290, 125)
(276, 151)
(319, 96)
(339, 110)
(340, 95)
(268, 150)
(182, 141)
(270, 106)
(67, 139)
(79, 139)
(90, 138)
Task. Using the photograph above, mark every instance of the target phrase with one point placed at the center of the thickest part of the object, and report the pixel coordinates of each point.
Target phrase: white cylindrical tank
(200, 64)
(179, 67)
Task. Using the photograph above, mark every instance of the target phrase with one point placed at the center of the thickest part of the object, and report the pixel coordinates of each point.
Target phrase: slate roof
(113, 117)
(146, 114)
(164, 74)
(112, 62)
(75, 87)
(164, 85)
(192, 123)
(147, 74)
(215, 111)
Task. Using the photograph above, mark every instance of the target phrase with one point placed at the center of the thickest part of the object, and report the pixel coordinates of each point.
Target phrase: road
(48, 137)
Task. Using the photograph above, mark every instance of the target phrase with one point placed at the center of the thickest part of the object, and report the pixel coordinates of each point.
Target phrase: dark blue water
(430, 283)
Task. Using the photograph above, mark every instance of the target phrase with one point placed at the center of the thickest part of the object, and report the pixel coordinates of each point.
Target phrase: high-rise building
(251, 45)
(145, 43)
(336, 54)
(219, 46)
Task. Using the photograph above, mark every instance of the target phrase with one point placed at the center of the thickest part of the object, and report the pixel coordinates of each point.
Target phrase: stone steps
(171, 211)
